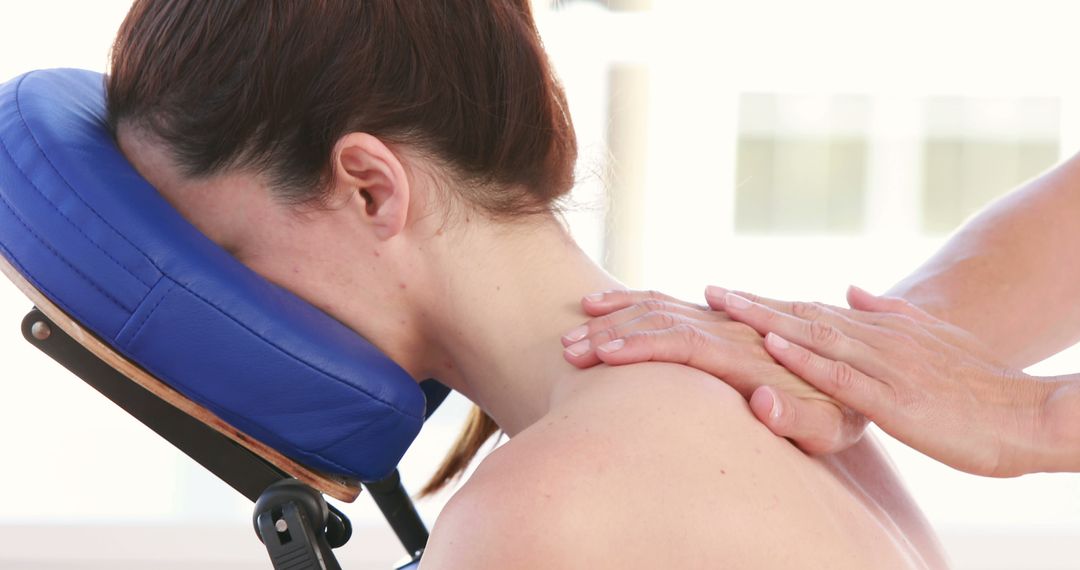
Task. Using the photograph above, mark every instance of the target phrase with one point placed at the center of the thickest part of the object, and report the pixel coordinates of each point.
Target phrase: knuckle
(654, 295)
(807, 360)
(843, 376)
(652, 305)
(694, 337)
(804, 310)
(757, 352)
(667, 320)
(897, 321)
(660, 319)
(789, 420)
(833, 439)
(603, 335)
(908, 400)
(894, 320)
(601, 323)
(823, 334)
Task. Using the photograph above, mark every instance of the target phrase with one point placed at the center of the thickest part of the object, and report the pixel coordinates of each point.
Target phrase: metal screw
(281, 525)
(40, 330)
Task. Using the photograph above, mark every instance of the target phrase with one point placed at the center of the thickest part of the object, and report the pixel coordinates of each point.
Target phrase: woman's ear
(368, 168)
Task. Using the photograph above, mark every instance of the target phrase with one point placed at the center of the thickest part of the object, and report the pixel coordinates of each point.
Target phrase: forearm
(1011, 275)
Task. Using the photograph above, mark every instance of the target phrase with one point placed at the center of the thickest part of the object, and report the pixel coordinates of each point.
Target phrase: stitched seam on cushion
(135, 311)
(338, 440)
(344, 470)
(18, 108)
(197, 296)
(296, 358)
(197, 397)
(15, 260)
(146, 317)
(78, 316)
(57, 255)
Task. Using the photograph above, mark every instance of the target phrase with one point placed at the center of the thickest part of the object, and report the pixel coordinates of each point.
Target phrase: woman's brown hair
(269, 86)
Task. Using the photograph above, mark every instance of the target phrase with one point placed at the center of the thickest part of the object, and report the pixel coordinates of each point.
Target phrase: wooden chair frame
(287, 494)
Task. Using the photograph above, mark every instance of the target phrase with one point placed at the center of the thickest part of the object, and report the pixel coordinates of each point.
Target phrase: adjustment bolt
(40, 330)
(281, 525)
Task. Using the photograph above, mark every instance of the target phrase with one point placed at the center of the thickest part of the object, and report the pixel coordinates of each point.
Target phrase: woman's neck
(498, 301)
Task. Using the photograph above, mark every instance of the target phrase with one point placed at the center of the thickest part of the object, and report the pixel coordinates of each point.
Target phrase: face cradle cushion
(80, 224)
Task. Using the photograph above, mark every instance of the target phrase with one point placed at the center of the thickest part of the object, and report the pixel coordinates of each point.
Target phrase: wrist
(1058, 433)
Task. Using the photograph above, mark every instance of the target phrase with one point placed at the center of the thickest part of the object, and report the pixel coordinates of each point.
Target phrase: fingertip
(575, 335)
(581, 358)
(603, 303)
(594, 298)
(762, 403)
(576, 361)
(777, 343)
(860, 299)
(617, 352)
(593, 303)
(855, 288)
(714, 296)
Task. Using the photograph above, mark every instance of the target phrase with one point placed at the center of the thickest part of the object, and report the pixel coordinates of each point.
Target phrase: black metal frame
(297, 525)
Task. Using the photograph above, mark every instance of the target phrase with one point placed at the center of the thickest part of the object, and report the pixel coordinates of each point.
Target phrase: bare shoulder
(655, 466)
(502, 517)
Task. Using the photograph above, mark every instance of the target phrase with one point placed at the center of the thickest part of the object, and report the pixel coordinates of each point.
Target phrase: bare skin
(941, 354)
(637, 326)
(654, 465)
(919, 377)
(1009, 275)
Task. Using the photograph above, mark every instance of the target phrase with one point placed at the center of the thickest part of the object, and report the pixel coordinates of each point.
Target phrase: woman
(396, 163)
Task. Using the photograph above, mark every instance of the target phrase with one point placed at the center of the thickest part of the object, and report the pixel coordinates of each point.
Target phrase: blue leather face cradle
(81, 225)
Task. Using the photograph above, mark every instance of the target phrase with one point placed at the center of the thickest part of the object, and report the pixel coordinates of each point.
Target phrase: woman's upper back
(657, 465)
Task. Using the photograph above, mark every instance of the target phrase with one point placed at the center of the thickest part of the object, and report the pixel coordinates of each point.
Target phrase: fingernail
(767, 399)
(736, 302)
(577, 334)
(714, 291)
(578, 348)
(612, 346)
(777, 407)
(860, 290)
(776, 341)
(594, 297)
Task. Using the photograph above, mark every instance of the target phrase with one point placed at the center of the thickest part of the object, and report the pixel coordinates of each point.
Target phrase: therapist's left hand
(926, 382)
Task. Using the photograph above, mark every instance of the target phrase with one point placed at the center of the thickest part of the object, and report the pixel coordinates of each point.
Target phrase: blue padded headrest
(79, 223)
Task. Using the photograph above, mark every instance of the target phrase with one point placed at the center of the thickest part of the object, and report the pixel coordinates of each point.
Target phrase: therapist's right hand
(665, 329)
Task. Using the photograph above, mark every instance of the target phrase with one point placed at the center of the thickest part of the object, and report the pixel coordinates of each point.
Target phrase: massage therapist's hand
(633, 326)
(926, 382)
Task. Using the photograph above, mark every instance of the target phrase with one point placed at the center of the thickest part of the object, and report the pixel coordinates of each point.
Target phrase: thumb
(714, 296)
(816, 426)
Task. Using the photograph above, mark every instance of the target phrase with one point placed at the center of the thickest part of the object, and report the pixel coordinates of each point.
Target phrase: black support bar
(394, 502)
(239, 468)
(309, 542)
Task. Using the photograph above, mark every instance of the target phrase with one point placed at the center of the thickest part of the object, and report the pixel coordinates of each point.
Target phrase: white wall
(87, 487)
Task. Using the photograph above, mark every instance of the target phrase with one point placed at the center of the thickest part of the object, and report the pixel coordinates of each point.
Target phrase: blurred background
(786, 148)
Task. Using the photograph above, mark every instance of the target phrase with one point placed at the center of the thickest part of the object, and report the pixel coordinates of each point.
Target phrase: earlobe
(364, 165)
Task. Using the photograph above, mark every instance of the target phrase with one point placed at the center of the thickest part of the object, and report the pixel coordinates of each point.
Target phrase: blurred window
(977, 149)
(801, 163)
